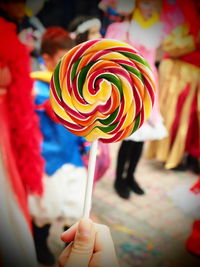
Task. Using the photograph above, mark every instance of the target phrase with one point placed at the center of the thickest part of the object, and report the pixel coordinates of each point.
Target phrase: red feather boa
(24, 127)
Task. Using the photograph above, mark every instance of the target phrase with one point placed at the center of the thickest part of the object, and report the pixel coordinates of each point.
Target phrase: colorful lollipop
(103, 90)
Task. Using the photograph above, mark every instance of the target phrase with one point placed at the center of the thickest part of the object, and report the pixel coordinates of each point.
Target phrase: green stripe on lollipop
(82, 76)
(113, 79)
(57, 81)
(108, 128)
(133, 70)
(136, 58)
(110, 119)
(137, 122)
(74, 68)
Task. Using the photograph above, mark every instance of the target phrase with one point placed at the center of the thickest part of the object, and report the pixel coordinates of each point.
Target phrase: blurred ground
(149, 230)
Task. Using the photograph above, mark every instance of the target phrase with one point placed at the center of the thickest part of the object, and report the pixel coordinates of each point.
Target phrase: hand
(91, 246)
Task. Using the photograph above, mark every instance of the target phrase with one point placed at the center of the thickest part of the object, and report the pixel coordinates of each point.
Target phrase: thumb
(83, 245)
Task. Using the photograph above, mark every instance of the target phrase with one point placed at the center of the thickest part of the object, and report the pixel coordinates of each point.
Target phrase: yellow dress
(175, 77)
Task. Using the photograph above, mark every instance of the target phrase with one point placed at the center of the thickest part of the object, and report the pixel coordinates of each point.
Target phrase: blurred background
(146, 187)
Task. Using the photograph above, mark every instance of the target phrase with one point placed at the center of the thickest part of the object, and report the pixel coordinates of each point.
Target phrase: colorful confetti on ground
(149, 230)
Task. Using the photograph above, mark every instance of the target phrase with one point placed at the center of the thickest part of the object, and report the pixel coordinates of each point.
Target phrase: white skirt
(149, 131)
(63, 196)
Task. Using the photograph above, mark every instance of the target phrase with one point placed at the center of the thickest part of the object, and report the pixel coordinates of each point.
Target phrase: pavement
(148, 230)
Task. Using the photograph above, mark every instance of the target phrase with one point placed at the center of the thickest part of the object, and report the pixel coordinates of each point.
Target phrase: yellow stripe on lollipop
(95, 133)
(83, 108)
(128, 94)
(66, 96)
(147, 104)
(59, 110)
(94, 100)
(113, 55)
(129, 117)
(101, 96)
(105, 44)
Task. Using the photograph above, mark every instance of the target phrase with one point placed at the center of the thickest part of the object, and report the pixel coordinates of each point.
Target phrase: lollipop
(103, 90)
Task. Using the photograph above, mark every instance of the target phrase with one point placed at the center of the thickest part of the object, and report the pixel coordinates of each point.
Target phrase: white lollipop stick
(90, 180)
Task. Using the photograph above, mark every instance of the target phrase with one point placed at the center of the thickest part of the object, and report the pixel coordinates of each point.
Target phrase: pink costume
(146, 39)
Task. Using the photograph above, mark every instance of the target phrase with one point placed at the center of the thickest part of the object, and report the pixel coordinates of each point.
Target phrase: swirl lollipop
(102, 89)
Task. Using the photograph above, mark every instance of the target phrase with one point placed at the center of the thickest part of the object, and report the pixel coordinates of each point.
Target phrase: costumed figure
(21, 165)
(65, 175)
(143, 30)
(84, 28)
(179, 87)
(114, 11)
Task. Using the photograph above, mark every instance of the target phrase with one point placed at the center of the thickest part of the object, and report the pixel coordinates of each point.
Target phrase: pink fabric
(102, 161)
(119, 31)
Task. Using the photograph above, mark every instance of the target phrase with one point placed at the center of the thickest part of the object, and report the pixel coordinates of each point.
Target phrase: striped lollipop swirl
(102, 89)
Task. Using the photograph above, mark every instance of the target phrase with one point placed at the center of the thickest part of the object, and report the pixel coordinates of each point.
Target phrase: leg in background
(44, 255)
(120, 183)
(136, 152)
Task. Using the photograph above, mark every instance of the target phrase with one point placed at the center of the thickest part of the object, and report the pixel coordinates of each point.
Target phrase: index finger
(69, 235)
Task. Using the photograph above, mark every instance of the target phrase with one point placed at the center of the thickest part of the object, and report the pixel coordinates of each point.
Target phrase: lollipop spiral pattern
(102, 89)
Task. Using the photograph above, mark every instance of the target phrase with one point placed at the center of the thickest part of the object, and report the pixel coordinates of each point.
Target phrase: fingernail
(63, 234)
(85, 227)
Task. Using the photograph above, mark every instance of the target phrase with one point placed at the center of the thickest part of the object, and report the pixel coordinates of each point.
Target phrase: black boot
(134, 186)
(120, 184)
(182, 166)
(40, 234)
(135, 155)
(122, 188)
(193, 164)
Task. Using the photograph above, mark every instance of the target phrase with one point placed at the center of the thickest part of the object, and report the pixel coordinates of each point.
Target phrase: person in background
(65, 175)
(143, 30)
(30, 34)
(21, 164)
(85, 28)
(179, 88)
(114, 11)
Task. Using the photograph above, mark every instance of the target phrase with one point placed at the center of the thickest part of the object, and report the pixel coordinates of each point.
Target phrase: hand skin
(91, 246)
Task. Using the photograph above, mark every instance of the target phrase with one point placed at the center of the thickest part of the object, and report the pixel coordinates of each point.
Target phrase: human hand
(91, 246)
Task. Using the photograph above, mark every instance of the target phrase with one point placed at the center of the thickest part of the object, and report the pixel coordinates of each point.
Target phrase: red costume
(179, 84)
(193, 242)
(19, 132)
